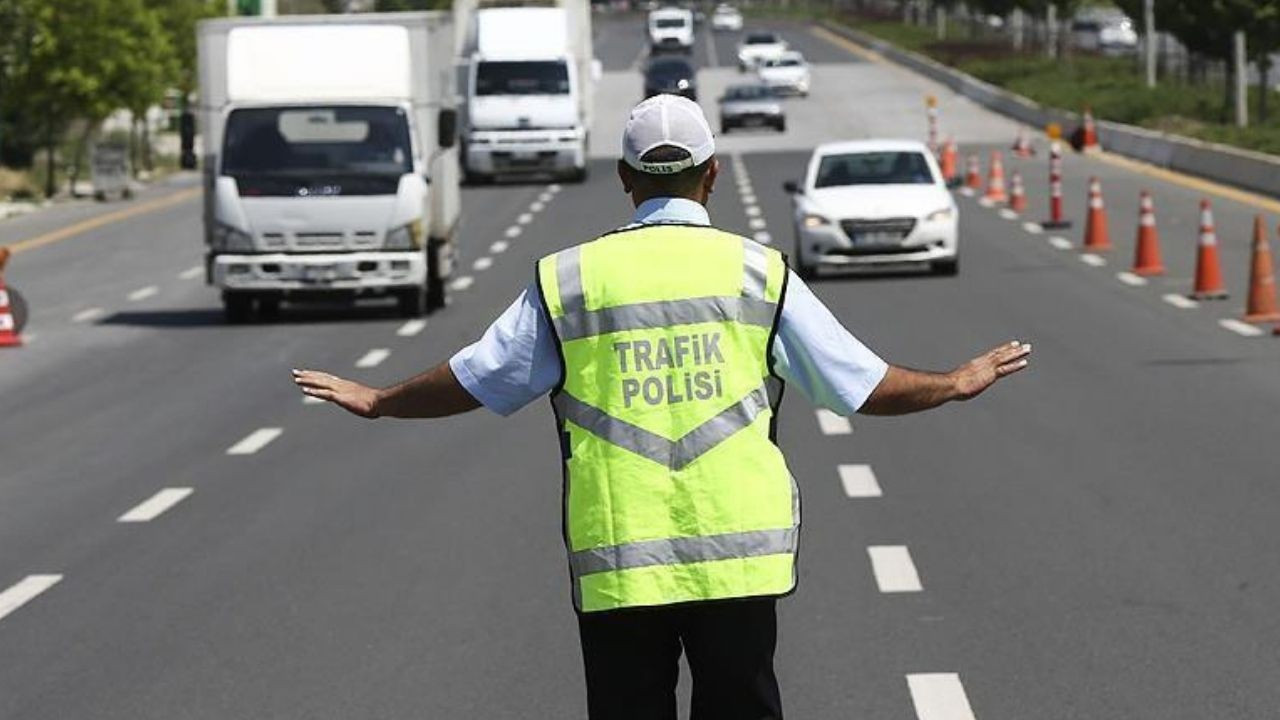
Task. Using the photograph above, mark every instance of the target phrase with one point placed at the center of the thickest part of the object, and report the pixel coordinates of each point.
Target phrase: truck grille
(319, 241)
(878, 232)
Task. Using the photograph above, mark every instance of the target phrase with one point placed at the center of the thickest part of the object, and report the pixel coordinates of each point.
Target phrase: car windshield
(544, 77)
(761, 39)
(748, 92)
(788, 62)
(319, 142)
(669, 23)
(873, 168)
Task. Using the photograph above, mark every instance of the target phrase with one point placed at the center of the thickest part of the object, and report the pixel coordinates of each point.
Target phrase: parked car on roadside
(751, 105)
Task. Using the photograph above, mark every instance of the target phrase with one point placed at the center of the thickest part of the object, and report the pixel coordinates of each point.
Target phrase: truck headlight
(230, 239)
(405, 237)
(812, 221)
(939, 215)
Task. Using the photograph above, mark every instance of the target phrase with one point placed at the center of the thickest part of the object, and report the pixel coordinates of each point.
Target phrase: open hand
(982, 372)
(351, 396)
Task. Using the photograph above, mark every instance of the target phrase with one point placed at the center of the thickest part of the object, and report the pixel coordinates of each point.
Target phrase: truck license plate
(317, 273)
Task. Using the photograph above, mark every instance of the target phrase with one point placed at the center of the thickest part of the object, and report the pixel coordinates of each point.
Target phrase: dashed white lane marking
(373, 358)
(24, 591)
(544, 198)
(1181, 302)
(1060, 242)
(553, 188)
(525, 218)
(513, 231)
(482, 263)
(986, 202)
(1033, 228)
(255, 441)
(1093, 259)
(757, 223)
(894, 571)
(1131, 279)
(939, 696)
(744, 188)
(752, 211)
(859, 481)
(191, 273)
(462, 282)
(309, 400)
(411, 328)
(88, 314)
(748, 199)
(764, 238)
(966, 191)
(833, 424)
(1240, 327)
(536, 206)
(143, 293)
(499, 247)
(1008, 214)
(154, 506)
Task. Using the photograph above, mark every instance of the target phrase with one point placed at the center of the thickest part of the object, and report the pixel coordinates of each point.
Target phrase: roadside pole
(1241, 79)
(1149, 28)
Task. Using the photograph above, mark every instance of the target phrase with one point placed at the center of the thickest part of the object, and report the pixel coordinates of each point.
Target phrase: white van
(671, 29)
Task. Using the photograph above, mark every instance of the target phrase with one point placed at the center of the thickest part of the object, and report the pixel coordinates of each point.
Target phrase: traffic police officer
(664, 346)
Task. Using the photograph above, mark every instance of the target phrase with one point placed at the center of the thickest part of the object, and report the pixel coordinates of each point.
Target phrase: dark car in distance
(672, 75)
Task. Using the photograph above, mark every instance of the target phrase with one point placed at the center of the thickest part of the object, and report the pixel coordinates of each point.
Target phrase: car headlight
(683, 84)
(940, 215)
(405, 237)
(230, 239)
(812, 220)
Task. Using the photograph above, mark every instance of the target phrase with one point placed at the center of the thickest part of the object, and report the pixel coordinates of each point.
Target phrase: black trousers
(633, 661)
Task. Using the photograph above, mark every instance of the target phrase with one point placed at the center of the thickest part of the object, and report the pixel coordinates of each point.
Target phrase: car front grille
(879, 232)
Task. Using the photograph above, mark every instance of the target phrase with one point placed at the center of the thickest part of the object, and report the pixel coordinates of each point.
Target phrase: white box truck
(329, 164)
(529, 74)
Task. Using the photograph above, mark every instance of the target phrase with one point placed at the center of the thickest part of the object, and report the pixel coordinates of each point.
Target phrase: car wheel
(237, 308)
(805, 271)
(946, 268)
(269, 307)
(577, 175)
(781, 125)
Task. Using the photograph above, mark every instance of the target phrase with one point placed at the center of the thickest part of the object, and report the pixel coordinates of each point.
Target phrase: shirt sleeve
(515, 362)
(815, 352)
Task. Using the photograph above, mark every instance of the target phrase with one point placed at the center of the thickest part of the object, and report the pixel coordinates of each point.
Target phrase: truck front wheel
(237, 307)
(437, 292)
(412, 302)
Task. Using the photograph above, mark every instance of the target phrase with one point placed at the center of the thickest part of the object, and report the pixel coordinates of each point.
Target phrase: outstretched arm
(905, 391)
(434, 393)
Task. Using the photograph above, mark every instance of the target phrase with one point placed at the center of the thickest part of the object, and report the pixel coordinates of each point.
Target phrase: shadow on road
(189, 318)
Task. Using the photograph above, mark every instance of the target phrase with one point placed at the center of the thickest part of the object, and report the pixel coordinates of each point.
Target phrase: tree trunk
(147, 160)
(133, 143)
(1264, 86)
(78, 161)
(50, 186)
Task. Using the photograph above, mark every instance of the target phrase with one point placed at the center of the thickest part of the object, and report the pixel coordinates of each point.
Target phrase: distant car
(751, 106)
(874, 203)
(759, 46)
(670, 74)
(788, 73)
(726, 18)
(671, 28)
(1112, 34)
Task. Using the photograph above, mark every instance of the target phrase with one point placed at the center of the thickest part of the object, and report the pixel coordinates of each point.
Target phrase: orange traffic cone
(995, 179)
(8, 323)
(1146, 260)
(1022, 144)
(949, 163)
(1209, 284)
(1017, 193)
(1089, 139)
(1096, 236)
(973, 176)
(1262, 280)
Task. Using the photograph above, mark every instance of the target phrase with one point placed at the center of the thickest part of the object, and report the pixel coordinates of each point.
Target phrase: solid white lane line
(1240, 327)
(462, 282)
(255, 441)
(752, 211)
(1182, 302)
(499, 246)
(373, 358)
(536, 206)
(411, 328)
(1131, 279)
(143, 293)
(191, 273)
(1093, 259)
(154, 506)
(764, 238)
(482, 263)
(525, 218)
(1033, 228)
(88, 314)
(894, 571)
(939, 696)
(1008, 214)
(513, 231)
(1060, 242)
(859, 481)
(757, 223)
(833, 424)
(24, 591)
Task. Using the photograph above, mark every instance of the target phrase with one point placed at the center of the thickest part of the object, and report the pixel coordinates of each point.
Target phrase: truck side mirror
(791, 187)
(187, 133)
(447, 128)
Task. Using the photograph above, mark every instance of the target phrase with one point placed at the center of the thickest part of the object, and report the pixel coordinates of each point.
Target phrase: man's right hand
(351, 396)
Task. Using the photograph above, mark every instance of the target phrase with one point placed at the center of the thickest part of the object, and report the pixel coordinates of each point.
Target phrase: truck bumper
(358, 272)
(496, 153)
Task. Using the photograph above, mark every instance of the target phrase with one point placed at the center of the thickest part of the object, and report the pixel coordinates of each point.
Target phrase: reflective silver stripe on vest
(680, 551)
(569, 278)
(755, 269)
(673, 454)
(661, 314)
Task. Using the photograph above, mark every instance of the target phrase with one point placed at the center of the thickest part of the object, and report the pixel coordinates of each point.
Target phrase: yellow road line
(1209, 187)
(93, 223)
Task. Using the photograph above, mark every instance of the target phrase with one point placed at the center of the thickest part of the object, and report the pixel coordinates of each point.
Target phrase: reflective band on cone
(1017, 194)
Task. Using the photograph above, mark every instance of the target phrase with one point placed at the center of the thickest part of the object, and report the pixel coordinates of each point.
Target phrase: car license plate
(318, 273)
(877, 238)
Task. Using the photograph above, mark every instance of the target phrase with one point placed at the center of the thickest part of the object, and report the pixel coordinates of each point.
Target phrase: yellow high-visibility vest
(675, 490)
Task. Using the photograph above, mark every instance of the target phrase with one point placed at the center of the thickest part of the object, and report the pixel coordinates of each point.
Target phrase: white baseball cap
(667, 120)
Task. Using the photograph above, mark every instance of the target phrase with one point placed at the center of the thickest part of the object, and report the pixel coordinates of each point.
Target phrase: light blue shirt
(516, 361)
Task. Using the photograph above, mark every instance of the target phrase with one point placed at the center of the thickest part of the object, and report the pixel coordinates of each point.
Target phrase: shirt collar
(671, 210)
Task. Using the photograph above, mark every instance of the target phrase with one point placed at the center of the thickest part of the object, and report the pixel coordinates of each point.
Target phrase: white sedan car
(726, 18)
(757, 47)
(874, 203)
(786, 74)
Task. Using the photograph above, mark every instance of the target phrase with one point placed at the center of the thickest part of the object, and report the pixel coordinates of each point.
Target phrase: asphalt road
(1093, 539)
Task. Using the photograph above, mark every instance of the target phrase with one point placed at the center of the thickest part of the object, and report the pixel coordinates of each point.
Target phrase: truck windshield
(541, 77)
(315, 144)
(669, 23)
